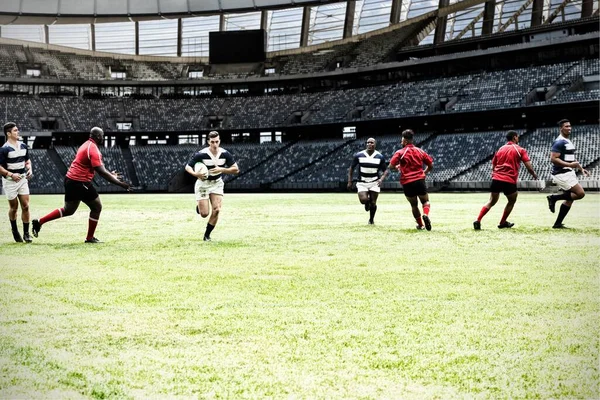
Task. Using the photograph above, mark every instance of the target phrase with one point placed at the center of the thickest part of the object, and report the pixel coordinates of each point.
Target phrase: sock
(564, 210)
(419, 221)
(209, 229)
(13, 225)
(25, 227)
(58, 213)
(426, 208)
(92, 224)
(504, 216)
(484, 210)
(372, 211)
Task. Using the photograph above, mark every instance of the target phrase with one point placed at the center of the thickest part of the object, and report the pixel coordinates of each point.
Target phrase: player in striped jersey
(409, 161)
(210, 189)
(564, 166)
(371, 163)
(15, 167)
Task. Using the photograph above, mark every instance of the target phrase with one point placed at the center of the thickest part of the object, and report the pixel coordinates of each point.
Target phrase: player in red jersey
(409, 161)
(79, 187)
(505, 172)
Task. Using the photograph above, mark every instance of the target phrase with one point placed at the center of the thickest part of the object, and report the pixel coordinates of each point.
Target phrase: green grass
(297, 297)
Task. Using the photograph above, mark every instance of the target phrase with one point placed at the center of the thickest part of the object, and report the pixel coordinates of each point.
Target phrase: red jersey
(88, 157)
(411, 160)
(507, 161)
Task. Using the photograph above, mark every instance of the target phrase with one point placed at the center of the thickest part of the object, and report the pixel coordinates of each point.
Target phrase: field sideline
(297, 297)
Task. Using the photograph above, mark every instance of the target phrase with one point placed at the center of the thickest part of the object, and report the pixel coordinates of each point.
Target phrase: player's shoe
(559, 226)
(17, 236)
(36, 227)
(206, 238)
(420, 227)
(371, 222)
(477, 225)
(505, 225)
(368, 205)
(27, 238)
(427, 222)
(551, 204)
(92, 240)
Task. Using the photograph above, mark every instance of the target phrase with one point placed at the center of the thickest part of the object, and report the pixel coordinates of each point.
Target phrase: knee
(67, 212)
(216, 210)
(580, 195)
(25, 208)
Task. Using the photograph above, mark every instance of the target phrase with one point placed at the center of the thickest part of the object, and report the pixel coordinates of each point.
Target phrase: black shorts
(79, 191)
(416, 188)
(505, 187)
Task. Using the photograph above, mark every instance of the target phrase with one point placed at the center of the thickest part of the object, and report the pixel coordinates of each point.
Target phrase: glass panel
(236, 22)
(327, 23)
(33, 33)
(116, 37)
(195, 35)
(158, 38)
(285, 26)
(77, 36)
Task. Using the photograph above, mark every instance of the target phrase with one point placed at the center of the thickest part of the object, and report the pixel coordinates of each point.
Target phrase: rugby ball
(201, 168)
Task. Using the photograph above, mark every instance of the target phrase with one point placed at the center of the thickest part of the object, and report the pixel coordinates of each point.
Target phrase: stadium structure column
(93, 34)
(264, 20)
(395, 12)
(489, 13)
(440, 30)
(587, 8)
(47, 34)
(537, 10)
(349, 19)
(305, 26)
(179, 36)
(137, 38)
(221, 22)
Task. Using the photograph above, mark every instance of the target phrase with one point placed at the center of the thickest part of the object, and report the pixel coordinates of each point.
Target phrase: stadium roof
(96, 11)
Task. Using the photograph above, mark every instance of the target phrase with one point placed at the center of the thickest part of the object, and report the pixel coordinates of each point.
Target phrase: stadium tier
(510, 88)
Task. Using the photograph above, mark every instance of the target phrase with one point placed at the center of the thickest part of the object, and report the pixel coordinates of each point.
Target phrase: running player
(79, 187)
(209, 190)
(15, 168)
(371, 163)
(505, 173)
(409, 161)
(564, 166)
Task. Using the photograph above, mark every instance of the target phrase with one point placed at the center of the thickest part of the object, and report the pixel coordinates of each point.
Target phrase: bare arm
(555, 159)
(191, 171)
(529, 167)
(428, 168)
(232, 170)
(382, 178)
(350, 173)
(112, 178)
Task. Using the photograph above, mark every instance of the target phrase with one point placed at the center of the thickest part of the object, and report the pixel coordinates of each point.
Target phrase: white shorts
(203, 189)
(13, 189)
(565, 181)
(368, 187)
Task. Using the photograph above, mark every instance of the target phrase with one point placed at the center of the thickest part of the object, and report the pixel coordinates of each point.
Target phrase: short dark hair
(95, 131)
(511, 134)
(212, 135)
(562, 122)
(408, 134)
(9, 127)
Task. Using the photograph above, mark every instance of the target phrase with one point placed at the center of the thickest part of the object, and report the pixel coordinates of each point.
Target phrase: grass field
(297, 297)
